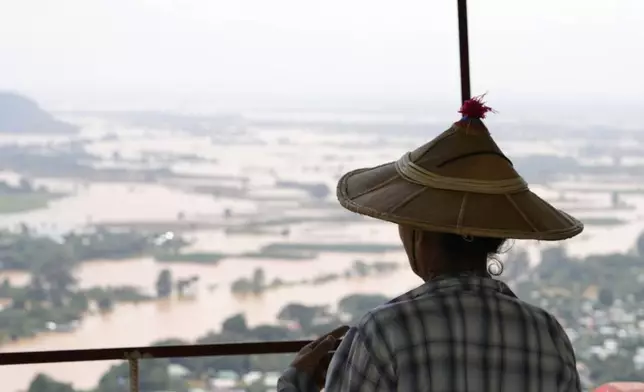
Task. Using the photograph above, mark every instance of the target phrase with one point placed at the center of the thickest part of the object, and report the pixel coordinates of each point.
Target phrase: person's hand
(313, 359)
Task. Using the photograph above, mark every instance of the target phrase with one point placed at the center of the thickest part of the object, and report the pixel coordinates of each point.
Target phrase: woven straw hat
(461, 183)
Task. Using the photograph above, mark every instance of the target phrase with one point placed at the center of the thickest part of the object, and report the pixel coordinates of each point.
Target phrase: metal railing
(134, 354)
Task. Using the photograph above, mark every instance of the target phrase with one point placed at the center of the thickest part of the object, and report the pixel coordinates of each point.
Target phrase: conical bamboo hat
(461, 183)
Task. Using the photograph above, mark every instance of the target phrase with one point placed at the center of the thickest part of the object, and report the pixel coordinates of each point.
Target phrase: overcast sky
(177, 54)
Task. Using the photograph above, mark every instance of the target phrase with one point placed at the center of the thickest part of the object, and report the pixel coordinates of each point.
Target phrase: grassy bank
(283, 251)
(198, 258)
(357, 247)
(22, 202)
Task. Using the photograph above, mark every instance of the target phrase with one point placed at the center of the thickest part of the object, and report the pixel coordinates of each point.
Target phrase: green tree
(361, 268)
(79, 302)
(640, 245)
(270, 332)
(24, 230)
(302, 314)
(19, 302)
(171, 342)
(44, 383)
(259, 280)
(164, 284)
(615, 367)
(356, 305)
(25, 185)
(236, 323)
(552, 260)
(36, 290)
(517, 264)
(105, 304)
(153, 376)
(5, 288)
(606, 297)
(242, 286)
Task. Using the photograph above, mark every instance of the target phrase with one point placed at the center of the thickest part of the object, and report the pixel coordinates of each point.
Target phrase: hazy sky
(177, 54)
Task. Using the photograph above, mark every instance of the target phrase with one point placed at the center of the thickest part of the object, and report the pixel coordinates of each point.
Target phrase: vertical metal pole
(464, 50)
(134, 374)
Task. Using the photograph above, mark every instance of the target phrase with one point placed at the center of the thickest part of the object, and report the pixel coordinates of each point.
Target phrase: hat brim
(380, 192)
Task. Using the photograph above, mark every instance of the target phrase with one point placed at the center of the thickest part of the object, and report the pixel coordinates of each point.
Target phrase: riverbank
(20, 195)
(17, 203)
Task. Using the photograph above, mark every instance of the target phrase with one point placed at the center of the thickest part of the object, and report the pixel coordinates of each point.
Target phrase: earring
(495, 267)
(468, 238)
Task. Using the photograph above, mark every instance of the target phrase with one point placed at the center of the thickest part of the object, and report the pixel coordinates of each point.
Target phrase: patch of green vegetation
(341, 248)
(117, 294)
(14, 203)
(308, 251)
(52, 299)
(47, 303)
(202, 258)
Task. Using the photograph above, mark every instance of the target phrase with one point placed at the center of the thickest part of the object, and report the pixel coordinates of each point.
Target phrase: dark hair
(466, 250)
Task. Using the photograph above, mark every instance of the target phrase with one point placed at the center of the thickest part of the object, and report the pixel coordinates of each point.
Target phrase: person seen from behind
(456, 201)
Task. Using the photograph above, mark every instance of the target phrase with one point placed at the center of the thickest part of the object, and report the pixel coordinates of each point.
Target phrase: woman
(456, 200)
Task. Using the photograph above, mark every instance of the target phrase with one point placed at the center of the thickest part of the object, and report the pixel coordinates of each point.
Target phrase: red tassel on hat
(475, 108)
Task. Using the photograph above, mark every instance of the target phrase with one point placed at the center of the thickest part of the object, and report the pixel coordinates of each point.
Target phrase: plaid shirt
(454, 334)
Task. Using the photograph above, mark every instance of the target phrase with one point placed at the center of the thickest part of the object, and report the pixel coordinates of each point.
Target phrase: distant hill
(19, 114)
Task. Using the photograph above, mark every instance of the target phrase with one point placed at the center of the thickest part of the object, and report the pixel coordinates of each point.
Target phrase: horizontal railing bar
(106, 354)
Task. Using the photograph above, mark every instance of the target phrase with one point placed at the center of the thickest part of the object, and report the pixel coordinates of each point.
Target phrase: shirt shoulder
(418, 317)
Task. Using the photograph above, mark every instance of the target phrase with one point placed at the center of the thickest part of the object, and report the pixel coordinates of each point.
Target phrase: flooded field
(266, 159)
